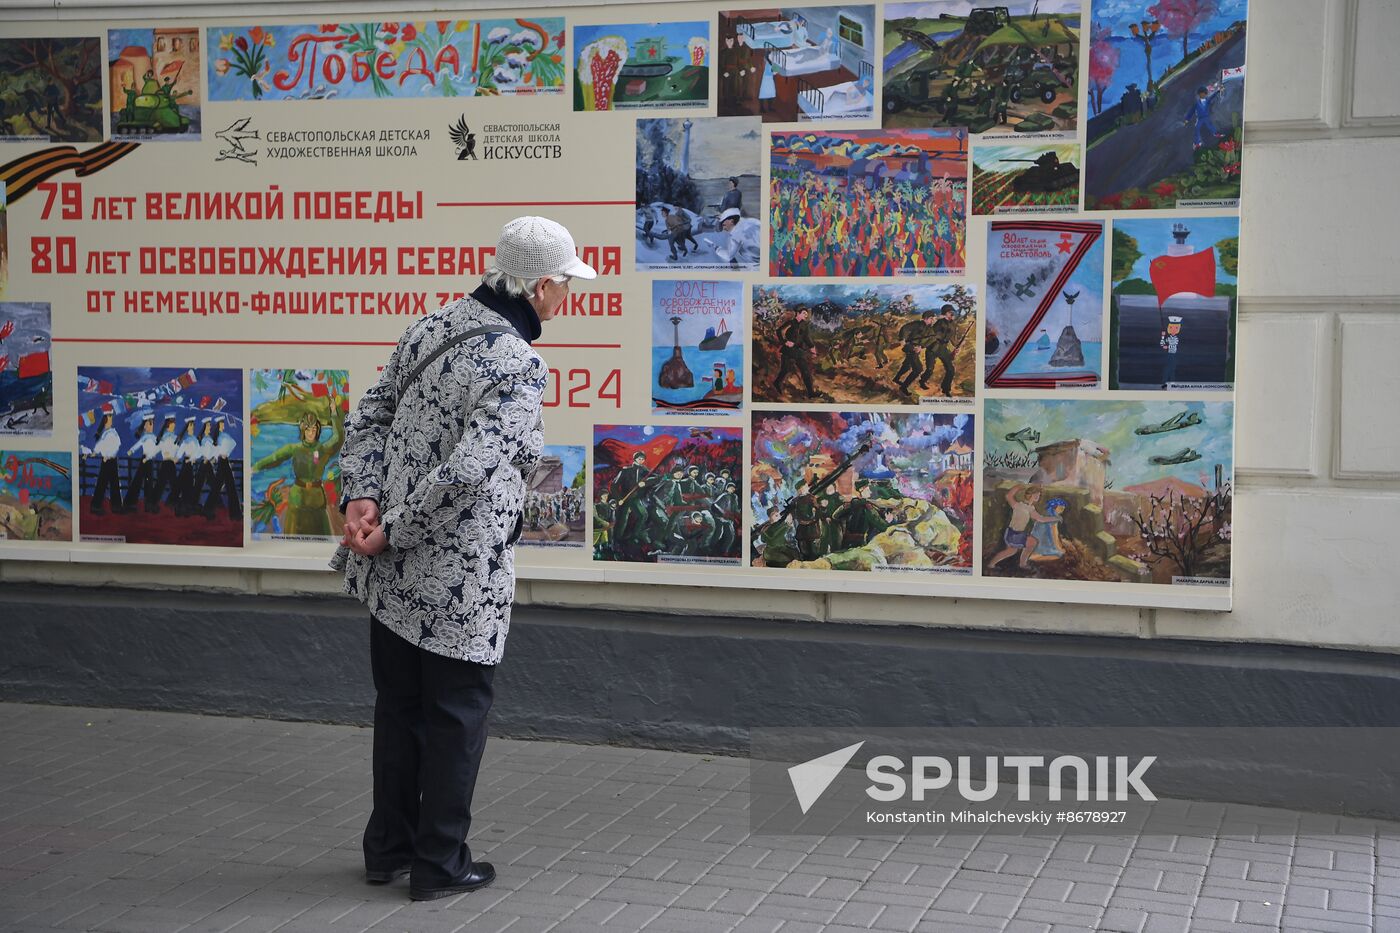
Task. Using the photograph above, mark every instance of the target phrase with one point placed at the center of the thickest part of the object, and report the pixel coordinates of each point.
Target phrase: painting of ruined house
(1135, 492)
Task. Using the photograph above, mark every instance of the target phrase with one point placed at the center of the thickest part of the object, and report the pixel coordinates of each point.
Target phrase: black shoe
(384, 877)
(480, 875)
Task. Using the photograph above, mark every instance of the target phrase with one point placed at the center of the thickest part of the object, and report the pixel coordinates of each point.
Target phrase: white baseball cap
(535, 247)
(730, 213)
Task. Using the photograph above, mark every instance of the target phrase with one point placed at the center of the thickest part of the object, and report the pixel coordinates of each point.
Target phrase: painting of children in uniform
(697, 187)
(993, 69)
(162, 455)
(298, 427)
(862, 491)
(1134, 492)
(666, 494)
(792, 64)
(900, 344)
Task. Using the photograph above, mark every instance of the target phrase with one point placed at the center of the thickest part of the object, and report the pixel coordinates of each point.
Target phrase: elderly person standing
(434, 462)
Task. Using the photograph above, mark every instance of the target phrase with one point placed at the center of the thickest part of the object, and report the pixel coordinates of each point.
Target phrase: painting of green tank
(994, 69)
(1136, 492)
(51, 89)
(642, 65)
(298, 427)
(153, 80)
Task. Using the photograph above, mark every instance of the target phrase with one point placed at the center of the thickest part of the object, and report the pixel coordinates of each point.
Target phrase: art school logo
(236, 142)
(506, 141)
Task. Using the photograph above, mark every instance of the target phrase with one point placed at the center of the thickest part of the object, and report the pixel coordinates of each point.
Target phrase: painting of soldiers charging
(994, 69)
(555, 499)
(792, 64)
(862, 491)
(297, 425)
(36, 495)
(1044, 304)
(877, 203)
(51, 89)
(1136, 492)
(1172, 322)
(1166, 97)
(900, 344)
(667, 494)
(162, 455)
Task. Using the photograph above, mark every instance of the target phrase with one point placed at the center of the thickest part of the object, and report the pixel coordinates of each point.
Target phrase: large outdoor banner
(940, 293)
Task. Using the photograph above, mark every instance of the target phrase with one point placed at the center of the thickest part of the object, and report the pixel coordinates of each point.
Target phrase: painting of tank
(555, 497)
(864, 491)
(1025, 178)
(153, 77)
(697, 347)
(1166, 98)
(667, 494)
(1172, 323)
(36, 495)
(1121, 491)
(994, 69)
(862, 344)
(639, 65)
(298, 427)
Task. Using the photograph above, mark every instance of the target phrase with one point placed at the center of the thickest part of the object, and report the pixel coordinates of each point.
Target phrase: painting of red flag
(26, 383)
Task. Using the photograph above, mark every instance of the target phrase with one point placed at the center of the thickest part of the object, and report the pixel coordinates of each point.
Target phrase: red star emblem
(1066, 243)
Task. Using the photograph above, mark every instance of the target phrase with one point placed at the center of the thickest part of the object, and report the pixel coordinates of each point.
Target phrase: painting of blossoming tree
(1166, 98)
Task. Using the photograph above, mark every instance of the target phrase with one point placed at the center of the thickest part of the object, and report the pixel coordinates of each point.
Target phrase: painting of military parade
(698, 196)
(26, 378)
(901, 344)
(877, 203)
(1136, 492)
(862, 491)
(1044, 304)
(36, 495)
(555, 499)
(638, 65)
(667, 494)
(1172, 323)
(162, 455)
(1025, 178)
(1166, 93)
(792, 64)
(697, 347)
(994, 69)
(297, 425)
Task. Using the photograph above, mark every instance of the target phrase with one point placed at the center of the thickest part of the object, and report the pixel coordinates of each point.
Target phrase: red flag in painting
(204, 402)
(34, 364)
(620, 454)
(1172, 275)
(320, 390)
(171, 69)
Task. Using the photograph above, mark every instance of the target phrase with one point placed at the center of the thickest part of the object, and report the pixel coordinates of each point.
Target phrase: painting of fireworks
(666, 494)
(162, 455)
(993, 69)
(862, 491)
(51, 89)
(555, 499)
(1120, 491)
(36, 495)
(877, 203)
(1166, 90)
(26, 381)
(791, 64)
(154, 79)
(642, 65)
(698, 194)
(1172, 321)
(1044, 304)
(901, 344)
(1025, 178)
(696, 355)
(297, 425)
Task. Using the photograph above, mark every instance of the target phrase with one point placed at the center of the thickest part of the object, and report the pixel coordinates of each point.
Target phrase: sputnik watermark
(1113, 778)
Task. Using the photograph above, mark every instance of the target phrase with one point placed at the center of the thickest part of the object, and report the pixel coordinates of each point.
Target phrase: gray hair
(517, 286)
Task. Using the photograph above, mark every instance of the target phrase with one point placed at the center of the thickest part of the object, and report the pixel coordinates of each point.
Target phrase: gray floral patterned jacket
(447, 462)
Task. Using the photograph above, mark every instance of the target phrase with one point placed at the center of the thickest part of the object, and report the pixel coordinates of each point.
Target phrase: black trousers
(429, 733)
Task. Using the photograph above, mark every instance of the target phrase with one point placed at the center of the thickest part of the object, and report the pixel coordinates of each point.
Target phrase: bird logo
(463, 138)
(234, 136)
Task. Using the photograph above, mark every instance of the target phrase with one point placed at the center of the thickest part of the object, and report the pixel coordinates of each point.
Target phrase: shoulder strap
(449, 344)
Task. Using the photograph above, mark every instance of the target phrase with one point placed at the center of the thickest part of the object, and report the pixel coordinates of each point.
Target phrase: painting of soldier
(862, 491)
(555, 499)
(667, 494)
(51, 89)
(900, 344)
(297, 425)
